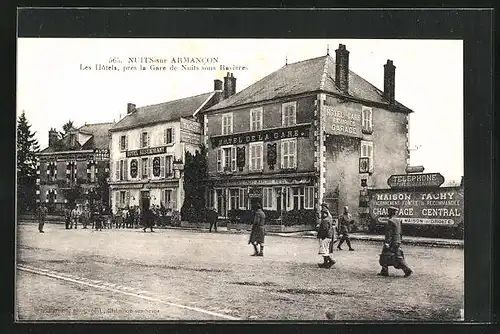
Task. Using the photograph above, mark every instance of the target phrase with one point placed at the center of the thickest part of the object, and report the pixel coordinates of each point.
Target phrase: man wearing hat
(257, 234)
(325, 237)
(392, 254)
(344, 223)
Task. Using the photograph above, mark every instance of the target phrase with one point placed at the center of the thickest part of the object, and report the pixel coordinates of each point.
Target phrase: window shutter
(174, 199)
(117, 199)
(125, 169)
(148, 140)
(230, 123)
(126, 142)
(370, 120)
(165, 136)
(233, 158)
(173, 135)
(282, 154)
(162, 166)
(370, 155)
(294, 153)
(149, 164)
(219, 160)
(127, 198)
(117, 170)
(162, 197)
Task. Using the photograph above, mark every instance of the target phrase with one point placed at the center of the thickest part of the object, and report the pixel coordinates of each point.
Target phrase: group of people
(328, 235)
(85, 216)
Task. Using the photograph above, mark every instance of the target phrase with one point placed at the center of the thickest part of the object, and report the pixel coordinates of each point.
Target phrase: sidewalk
(408, 240)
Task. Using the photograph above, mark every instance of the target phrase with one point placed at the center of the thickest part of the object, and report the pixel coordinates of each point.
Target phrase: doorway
(144, 200)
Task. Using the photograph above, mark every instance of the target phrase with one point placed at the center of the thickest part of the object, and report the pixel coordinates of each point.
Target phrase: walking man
(345, 222)
(392, 254)
(258, 233)
(41, 214)
(67, 217)
(147, 219)
(212, 217)
(325, 237)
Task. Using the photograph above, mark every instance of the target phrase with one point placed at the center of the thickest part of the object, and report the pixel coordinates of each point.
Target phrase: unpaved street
(175, 274)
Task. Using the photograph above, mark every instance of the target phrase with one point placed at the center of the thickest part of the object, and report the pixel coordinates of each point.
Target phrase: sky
(53, 87)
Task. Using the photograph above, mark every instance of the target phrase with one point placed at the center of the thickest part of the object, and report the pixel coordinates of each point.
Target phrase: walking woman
(325, 237)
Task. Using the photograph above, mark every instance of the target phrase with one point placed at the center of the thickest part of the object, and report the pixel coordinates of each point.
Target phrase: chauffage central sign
(441, 206)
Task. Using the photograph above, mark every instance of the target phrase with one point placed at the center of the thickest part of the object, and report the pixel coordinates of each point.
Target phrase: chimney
(389, 81)
(130, 108)
(342, 68)
(229, 85)
(53, 136)
(217, 84)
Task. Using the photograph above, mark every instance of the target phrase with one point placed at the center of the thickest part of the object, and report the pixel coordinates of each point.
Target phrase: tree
(195, 170)
(73, 194)
(66, 127)
(27, 147)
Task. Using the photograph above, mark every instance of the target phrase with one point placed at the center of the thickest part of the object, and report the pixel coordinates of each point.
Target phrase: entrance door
(144, 200)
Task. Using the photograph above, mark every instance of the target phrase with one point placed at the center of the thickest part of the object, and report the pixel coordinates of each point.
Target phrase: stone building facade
(305, 134)
(148, 149)
(77, 160)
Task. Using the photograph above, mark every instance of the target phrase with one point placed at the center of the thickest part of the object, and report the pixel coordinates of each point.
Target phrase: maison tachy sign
(301, 130)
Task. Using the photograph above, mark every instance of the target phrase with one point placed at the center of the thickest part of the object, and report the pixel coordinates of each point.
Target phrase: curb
(444, 243)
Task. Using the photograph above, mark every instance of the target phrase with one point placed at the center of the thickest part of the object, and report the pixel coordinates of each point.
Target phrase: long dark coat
(325, 229)
(393, 255)
(257, 234)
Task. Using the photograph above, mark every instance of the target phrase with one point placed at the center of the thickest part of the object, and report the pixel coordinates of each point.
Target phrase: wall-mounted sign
(191, 138)
(266, 182)
(190, 125)
(415, 180)
(177, 165)
(301, 130)
(340, 120)
(440, 206)
(364, 165)
(147, 151)
(414, 169)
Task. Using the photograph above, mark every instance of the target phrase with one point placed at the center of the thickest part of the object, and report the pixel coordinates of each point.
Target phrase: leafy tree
(72, 194)
(27, 147)
(102, 189)
(66, 127)
(195, 170)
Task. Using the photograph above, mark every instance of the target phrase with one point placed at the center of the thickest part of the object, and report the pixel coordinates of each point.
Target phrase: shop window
(268, 199)
(309, 198)
(168, 199)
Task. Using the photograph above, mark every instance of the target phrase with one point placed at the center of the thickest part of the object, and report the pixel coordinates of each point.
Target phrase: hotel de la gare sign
(300, 130)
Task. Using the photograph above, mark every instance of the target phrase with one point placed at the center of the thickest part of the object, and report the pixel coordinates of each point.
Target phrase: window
(267, 198)
(123, 143)
(145, 168)
(256, 119)
(92, 173)
(367, 152)
(169, 136)
(122, 198)
(288, 114)
(144, 140)
(121, 169)
(309, 198)
(221, 202)
(288, 153)
(366, 119)
(168, 198)
(256, 156)
(229, 158)
(298, 198)
(227, 124)
(235, 198)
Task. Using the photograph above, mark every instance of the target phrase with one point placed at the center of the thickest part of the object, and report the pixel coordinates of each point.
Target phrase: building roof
(99, 139)
(316, 74)
(100, 135)
(162, 112)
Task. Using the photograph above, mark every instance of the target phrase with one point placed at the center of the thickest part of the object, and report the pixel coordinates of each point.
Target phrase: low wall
(270, 228)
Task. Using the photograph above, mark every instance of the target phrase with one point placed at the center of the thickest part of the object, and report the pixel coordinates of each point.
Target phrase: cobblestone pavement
(174, 274)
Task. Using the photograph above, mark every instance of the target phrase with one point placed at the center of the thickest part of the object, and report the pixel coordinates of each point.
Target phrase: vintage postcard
(239, 179)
